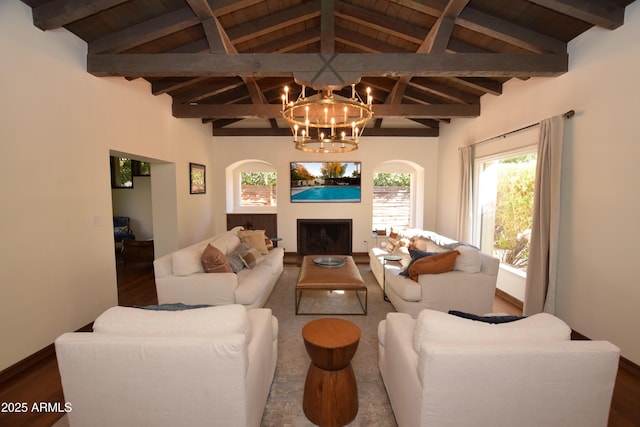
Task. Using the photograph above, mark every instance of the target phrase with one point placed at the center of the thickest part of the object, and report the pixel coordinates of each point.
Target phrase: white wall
(373, 152)
(58, 123)
(598, 284)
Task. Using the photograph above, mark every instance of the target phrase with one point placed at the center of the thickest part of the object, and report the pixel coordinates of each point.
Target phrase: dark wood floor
(40, 381)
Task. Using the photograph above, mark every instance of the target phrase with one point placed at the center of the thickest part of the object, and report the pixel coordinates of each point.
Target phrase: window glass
(391, 201)
(258, 188)
(505, 205)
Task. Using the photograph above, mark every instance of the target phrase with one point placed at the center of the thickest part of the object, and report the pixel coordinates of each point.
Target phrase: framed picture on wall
(197, 181)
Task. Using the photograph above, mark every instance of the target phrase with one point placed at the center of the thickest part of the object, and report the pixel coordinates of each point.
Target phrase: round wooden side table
(330, 390)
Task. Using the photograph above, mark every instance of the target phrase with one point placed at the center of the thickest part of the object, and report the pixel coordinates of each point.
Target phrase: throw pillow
(435, 264)
(177, 306)
(251, 258)
(469, 260)
(416, 254)
(214, 261)
(486, 319)
(234, 257)
(255, 238)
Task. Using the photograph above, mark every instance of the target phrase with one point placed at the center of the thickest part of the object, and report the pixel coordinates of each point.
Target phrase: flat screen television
(321, 182)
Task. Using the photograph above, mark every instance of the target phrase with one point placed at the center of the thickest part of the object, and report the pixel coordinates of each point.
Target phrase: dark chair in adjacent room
(121, 230)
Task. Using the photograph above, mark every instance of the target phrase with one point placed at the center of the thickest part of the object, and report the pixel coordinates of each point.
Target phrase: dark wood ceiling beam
(382, 65)
(368, 132)
(508, 32)
(483, 85)
(145, 32)
(59, 13)
(443, 91)
(606, 14)
(327, 27)
(245, 111)
(273, 22)
(380, 22)
(438, 37)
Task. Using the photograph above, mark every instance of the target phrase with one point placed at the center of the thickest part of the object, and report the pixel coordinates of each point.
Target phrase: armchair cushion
(224, 319)
(438, 327)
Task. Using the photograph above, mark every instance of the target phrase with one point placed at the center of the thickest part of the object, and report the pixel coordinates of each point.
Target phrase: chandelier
(326, 122)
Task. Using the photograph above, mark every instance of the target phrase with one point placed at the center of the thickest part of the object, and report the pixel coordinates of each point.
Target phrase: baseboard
(509, 298)
(30, 361)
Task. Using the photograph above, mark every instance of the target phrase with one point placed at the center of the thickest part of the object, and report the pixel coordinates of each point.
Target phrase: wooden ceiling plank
(363, 43)
(224, 7)
(605, 14)
(443, 91)
(380, 22)
(234, 111)
(327, 27)
(58, 13)
(509, 32)
(288, 44)
(166, 86)
(385, 65)
(428, 7)
(273, 22)
(202, 92)
(145, 32)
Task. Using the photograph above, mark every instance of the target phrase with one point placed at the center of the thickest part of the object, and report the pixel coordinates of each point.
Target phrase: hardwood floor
(39, 381)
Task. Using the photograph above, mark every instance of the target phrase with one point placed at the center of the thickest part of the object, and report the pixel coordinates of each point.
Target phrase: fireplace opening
(324, 236)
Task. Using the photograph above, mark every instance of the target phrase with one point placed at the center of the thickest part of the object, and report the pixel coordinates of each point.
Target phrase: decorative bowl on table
(330, 261)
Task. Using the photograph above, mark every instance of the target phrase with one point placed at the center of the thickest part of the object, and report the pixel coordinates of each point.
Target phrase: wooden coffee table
(314, 277)
(330, 390)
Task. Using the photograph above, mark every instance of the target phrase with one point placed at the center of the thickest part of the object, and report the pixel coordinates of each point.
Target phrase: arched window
(251, 186)
(396, 194)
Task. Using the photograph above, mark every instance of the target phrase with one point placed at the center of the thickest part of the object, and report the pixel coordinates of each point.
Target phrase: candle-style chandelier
(326, 122)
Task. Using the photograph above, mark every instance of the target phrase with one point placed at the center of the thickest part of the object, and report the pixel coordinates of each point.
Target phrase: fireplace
(324, 236)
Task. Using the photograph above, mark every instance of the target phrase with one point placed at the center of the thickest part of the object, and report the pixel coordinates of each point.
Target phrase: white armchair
(203, 367)
(443, 370)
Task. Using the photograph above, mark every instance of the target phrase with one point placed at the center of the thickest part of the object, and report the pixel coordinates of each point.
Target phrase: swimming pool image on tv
(327, 194)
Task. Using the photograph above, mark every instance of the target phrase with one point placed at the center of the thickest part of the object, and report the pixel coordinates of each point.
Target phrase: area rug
(284, 406)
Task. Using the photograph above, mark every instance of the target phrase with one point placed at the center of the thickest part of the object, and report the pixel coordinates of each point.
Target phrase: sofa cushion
(214, 261)
(435, 326)
(255, 238)
(434, 264)
(188, 260)
(469, 259)
(226, 241)
(224, 319)
(415, 255)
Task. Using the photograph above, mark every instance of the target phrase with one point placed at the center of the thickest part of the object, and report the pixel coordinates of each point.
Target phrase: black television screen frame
(325, 188)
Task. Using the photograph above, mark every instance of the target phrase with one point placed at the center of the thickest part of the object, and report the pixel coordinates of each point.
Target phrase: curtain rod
(566, 115)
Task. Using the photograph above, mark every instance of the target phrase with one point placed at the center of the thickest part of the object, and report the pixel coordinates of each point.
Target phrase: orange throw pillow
(214, 261)
(434, 264)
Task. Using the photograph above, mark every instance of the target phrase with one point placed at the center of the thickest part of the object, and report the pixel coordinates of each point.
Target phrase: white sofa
(203, 367)
(443, 370)
(469, 287)
(181, 278)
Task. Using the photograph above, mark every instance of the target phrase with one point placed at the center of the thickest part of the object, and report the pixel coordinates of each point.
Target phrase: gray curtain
(543, 251)
(464, 203)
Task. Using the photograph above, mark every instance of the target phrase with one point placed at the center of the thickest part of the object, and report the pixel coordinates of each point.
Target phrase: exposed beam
(368, 132)
(273, 22)
(58, 13)
(327, 27)
(245, 111)
(382, 65)
(605, 14)
(509, 32)
(145, 32)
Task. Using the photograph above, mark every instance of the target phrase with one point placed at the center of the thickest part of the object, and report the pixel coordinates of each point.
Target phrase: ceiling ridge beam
(327, 27)
(145, 32)
(606, 14)
(368, 64)
(59, 13)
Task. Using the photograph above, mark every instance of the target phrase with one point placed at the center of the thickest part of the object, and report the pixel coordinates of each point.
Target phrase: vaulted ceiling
(427, 61)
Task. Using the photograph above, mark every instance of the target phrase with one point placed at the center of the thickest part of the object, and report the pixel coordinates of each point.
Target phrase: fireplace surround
(324, 236)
